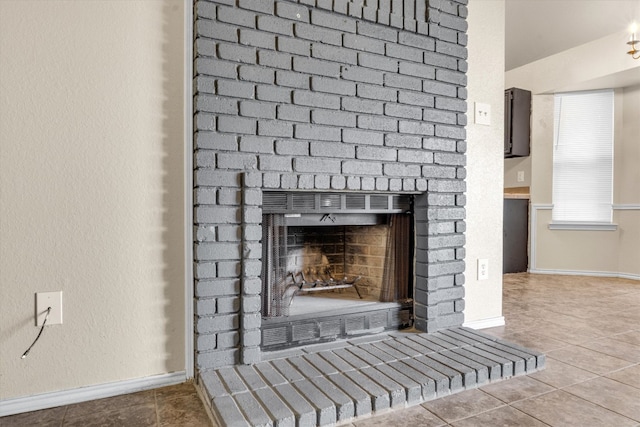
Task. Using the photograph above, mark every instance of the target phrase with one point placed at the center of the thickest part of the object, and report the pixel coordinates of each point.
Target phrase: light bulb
(632, 37)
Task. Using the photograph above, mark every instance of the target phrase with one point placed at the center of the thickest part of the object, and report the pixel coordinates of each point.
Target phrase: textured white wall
(485, 159)
(91, 190)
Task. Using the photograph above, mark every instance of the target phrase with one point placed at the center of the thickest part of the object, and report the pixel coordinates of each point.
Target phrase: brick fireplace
(336, 97)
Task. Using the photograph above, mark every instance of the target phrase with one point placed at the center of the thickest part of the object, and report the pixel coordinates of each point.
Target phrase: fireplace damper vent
(301, 202)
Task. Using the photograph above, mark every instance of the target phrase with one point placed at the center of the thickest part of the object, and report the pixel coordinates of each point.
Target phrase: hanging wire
(39, 333)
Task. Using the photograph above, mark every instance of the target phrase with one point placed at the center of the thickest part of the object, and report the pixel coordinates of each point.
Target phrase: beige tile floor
(590, 330)
(588, 327)
(168, 406)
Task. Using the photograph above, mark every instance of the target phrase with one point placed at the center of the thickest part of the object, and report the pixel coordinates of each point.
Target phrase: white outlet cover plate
(45, 300)
(483, 269)
(482, 114)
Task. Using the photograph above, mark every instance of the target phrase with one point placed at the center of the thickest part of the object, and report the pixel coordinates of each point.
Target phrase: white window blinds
(583, 157)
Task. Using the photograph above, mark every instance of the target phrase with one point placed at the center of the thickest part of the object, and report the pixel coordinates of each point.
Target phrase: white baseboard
(628, 276)
(586, 273)
(67, 397)
(485, 323)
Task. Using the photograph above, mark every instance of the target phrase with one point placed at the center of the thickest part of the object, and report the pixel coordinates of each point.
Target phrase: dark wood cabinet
(515, 235)
(517, 122)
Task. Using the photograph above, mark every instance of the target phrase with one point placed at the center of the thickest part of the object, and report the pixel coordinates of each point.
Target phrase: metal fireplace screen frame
(282, 210)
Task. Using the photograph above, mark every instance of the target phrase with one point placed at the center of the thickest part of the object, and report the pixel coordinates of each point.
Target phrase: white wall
(485, 160)
(91, 190)
(600, 64)
(512, 167)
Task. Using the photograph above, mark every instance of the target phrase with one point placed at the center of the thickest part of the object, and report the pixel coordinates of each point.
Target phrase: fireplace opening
(335, 265)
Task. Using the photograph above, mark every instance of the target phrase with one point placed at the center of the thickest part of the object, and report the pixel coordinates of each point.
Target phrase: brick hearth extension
(339, 382)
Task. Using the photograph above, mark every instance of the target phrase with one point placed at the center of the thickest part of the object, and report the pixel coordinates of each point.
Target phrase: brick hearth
(339, 382)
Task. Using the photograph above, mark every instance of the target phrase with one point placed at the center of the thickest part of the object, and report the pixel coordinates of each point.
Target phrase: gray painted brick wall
(364, 95)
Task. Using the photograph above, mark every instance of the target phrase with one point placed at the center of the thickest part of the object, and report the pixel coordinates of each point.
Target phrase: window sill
(589, 226)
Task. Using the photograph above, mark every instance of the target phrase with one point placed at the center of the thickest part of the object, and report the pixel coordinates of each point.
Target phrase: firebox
(335, 265)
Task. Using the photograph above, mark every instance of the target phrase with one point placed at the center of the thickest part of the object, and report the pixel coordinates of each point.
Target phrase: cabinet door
(517, 122)
(515, 236)
(507, 122)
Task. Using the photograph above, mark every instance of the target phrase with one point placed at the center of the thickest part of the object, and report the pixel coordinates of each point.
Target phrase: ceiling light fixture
(633, 40)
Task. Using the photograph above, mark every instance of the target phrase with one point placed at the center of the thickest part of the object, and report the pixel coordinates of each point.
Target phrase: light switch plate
(482, 114)
(45, 300)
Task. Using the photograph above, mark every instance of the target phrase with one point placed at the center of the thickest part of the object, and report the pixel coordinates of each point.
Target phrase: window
(583, 159)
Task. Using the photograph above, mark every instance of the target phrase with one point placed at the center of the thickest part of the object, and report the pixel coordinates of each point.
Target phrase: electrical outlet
(483, 269)
(482, 114)
(520, 176)
(45, 300)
